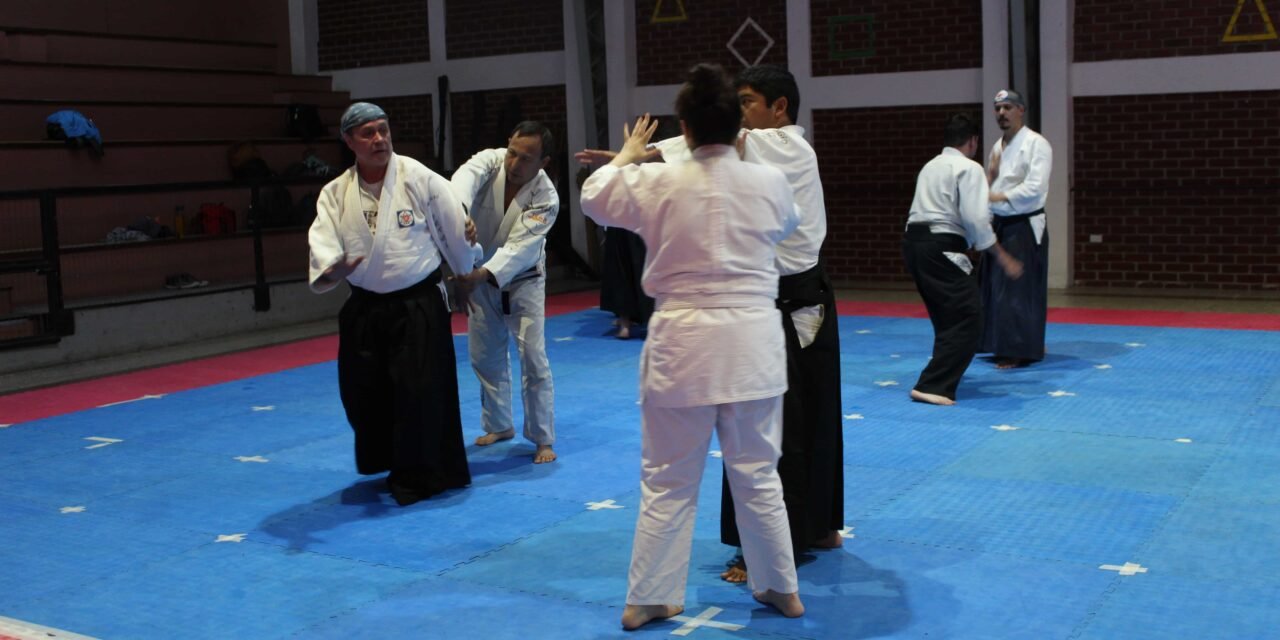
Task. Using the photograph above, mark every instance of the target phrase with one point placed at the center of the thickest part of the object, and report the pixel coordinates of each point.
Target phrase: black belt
(923, 232)
(1017, 217)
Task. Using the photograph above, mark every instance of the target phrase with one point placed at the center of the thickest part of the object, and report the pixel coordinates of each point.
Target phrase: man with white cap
(386, 225)
(1018, 169)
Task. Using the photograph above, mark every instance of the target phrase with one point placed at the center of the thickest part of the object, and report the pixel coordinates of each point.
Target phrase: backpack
(75, 128)
(303, 121)
(216, 219)
(246, 163)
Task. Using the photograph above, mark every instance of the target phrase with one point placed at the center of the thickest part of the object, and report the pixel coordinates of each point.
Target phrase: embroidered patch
(405, 217)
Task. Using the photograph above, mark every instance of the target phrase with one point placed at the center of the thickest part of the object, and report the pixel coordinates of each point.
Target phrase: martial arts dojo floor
(1127, 487)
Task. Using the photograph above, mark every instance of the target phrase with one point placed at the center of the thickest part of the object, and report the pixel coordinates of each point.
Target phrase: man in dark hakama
(949, 214)
(386, 225)
(1018, 169)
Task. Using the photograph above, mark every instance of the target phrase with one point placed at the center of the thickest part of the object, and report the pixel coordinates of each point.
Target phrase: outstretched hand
(594, 158)
(635, 141)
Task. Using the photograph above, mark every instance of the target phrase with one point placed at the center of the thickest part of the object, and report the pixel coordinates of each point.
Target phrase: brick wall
(479, 28)
(1183, 188)
(869, 159)
(881, 36)
(411, 125)
(666, 50)
(365, 33)
(1110, 30)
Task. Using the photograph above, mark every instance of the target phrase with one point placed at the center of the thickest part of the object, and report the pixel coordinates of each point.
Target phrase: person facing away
(1018, 170)
(948, 216)
(715, 357)
(386, 225)
(812, 467)
(513, 205)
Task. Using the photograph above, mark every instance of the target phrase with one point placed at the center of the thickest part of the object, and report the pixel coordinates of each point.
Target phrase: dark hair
(535, 128)
(708, 106)
(959, 129)
(772, 82)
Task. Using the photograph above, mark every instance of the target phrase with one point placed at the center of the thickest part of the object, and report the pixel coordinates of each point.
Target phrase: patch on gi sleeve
(405, 217)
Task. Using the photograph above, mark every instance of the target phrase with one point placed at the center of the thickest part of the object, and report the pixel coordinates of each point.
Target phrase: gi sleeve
(523, 247)
(609, 197)
(674, 150)
(446, 220)
(325, 238)
(971, 200)
(1028, 193)
(474, 174)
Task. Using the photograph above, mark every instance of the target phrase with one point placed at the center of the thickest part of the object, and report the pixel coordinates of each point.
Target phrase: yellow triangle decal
(1268, 34)
(658, 18)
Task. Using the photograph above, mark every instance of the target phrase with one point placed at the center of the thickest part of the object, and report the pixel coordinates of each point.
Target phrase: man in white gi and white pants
(948, 216)
(1018, 170)
(385, 226)
(715, 357)
(513, 205)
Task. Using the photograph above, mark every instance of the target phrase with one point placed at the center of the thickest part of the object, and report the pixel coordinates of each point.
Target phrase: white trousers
(674, 453)
(488, 331)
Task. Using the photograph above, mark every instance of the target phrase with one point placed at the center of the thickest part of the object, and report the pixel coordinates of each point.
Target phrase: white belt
(713, 301)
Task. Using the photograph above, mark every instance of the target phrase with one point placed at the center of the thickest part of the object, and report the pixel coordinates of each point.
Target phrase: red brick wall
(1183, 188)
(411, 122)
(479, 28)
(881, 36)
(869, 159)
(666, 50)
(364, 33)
(1110, 30)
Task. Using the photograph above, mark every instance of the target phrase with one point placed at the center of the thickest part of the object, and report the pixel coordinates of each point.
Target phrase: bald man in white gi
(513, 205)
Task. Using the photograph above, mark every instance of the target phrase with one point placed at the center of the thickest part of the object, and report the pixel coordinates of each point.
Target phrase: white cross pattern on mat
(607, 504)
(703, 619)
(1126, 569)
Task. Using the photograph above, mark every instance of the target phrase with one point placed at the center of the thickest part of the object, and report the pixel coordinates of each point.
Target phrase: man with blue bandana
(386, 226)
(1018, 169)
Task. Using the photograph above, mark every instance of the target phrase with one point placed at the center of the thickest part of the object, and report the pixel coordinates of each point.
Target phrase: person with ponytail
(715, 358)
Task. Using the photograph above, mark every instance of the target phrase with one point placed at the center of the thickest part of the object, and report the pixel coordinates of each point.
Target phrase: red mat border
(36, 404)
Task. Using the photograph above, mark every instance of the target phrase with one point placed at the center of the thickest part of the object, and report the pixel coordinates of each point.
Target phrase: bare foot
(736, 573)
(931, 398)
(544, 454)
(788, 604)
(833, 540)
(624, 332)
(490, 438)
(638, 615)
(1011, 363)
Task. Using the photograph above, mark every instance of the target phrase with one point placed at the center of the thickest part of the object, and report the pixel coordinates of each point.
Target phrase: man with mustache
(1018, 170)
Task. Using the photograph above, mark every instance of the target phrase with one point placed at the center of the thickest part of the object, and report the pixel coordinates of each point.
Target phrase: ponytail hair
(708, 106)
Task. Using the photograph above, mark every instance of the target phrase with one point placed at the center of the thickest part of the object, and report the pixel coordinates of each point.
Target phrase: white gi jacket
(710, 227)
(1023, 176)
(951, 197)
(419, 221)
(514, 240)
(786, 149)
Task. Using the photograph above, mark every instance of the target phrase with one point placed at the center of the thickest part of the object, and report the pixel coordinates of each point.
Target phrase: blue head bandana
(360, 113)
(1010, 96)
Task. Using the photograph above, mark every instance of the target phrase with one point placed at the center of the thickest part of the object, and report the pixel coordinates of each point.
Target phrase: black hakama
(620, 291)
(812, 465)
(1015, 311)
(398, 378)
(954, 304)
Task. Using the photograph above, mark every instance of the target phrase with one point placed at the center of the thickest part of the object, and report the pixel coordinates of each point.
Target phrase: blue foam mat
(958, 530)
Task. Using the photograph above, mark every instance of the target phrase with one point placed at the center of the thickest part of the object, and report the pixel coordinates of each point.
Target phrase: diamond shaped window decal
(768, 43)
